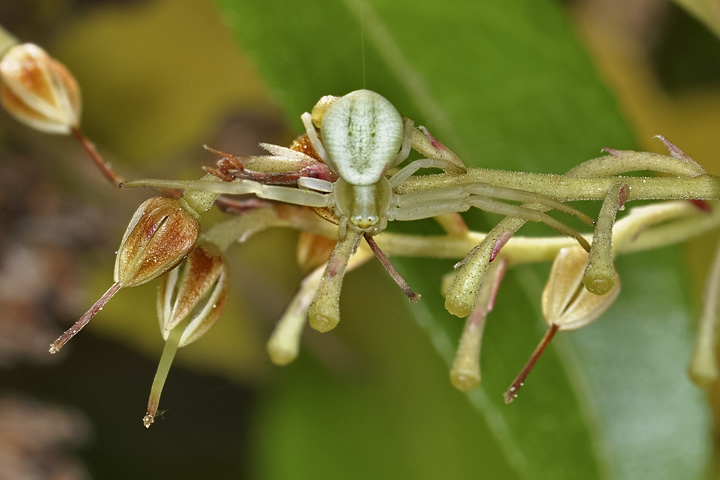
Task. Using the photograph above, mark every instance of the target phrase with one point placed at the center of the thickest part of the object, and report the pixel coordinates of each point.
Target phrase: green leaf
(506, 85)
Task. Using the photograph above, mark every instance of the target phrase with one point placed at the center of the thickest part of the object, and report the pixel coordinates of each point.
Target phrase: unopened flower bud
(191, 298)
(565, 301)
(566, 305)
(318, 111)
(39, 91)
(198, 286)
(160, 234)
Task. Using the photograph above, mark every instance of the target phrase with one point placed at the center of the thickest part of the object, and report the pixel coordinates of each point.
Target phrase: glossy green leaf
(506, 85)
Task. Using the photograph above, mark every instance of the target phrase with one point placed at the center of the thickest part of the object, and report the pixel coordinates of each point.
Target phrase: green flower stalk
(190, 300)
(703, 366)
(465, 371)
(600, 273)
(324, 311)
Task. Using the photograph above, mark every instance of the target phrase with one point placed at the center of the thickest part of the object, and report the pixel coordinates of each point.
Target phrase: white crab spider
(361, 137)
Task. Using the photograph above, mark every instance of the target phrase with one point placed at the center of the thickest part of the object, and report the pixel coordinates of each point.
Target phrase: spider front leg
(278, 193)
(417, 205)
(284, 166)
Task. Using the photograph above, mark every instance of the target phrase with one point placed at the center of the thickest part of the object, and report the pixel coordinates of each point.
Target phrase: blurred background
(160, 79)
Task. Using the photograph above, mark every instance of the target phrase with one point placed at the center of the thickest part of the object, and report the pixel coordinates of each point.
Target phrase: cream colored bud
(565, 301)
(160, 234)
(318, 111)
(39, 91)
(324, 312)
(195, 291)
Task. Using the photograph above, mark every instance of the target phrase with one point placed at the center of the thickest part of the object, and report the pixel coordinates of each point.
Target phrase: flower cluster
(342, 220)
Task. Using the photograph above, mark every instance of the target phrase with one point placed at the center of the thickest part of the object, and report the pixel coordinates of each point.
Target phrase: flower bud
(39, 91)
(161, 232)
(565, 301)
(318, 111)
(190, 299)
(566, 305)
(198, 286)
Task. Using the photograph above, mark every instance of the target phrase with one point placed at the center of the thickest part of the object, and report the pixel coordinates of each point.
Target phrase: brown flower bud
(39, 91)
(198, 286)
(160, 234)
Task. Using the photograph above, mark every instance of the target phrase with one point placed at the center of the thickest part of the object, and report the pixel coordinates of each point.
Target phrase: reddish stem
(512, 392)
(412, 296)
(85, 319)
(95, 156)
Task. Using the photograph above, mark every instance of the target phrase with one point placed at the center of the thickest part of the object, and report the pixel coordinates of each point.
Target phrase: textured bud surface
(199, 286)
(565, 301)
(38, 90)
(159, 235)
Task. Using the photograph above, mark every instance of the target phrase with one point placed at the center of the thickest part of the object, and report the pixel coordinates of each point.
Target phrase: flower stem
(568, 188)
(512, 392)
(97, 159)
(85, 319)
(166, 359)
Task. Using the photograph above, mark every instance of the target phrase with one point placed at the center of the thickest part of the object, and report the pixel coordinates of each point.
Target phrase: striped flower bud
(565, 301)
(195, 291)
(160, 234)
(191, 298)
(566, 305)
(39, 91)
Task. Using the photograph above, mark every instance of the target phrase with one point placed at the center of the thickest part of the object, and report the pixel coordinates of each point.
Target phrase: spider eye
(364, 221)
